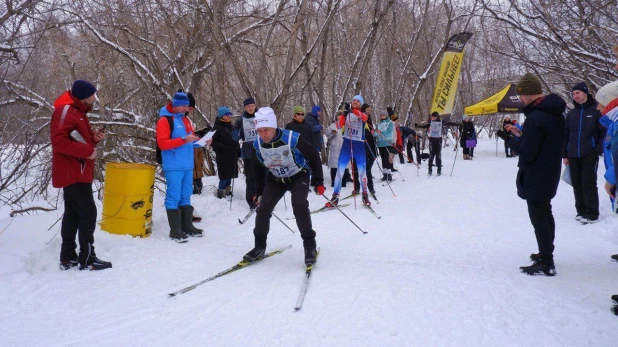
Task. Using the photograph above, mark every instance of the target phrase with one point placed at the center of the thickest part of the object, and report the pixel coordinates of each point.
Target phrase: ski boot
(366, 201)
(255, 254)
(311, 254)
(334, 201)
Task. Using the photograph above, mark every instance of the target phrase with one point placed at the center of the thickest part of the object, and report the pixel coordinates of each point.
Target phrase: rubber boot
(176, 233)
(186, 213)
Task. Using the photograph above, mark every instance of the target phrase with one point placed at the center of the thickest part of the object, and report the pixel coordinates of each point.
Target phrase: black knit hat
(365, 107)
(82, 89)
(581, 86)
(529, 84)
(435, 114)
(248, 101)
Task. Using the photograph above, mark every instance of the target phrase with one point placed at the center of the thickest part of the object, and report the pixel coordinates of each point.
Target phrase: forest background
(281, 52)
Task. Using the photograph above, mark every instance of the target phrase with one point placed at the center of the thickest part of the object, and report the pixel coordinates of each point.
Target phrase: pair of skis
(243, 264)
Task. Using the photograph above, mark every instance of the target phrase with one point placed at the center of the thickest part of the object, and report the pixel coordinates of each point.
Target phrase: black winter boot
(220, 193)
(540, 267)
(186, 214)
(89, 261)
(176, 233)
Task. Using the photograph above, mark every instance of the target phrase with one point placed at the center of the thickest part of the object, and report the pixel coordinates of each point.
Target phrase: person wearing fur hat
(299, 124)
(73, 153)
(353, 122)
(226, 151)
(539, 165)
(281, 163)
(313, 119)
(583, 143)
(177, 162)
(245, 128)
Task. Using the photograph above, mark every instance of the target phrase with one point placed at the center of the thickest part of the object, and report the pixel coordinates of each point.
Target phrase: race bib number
(435, 129)
(248, 125)
(353, 128)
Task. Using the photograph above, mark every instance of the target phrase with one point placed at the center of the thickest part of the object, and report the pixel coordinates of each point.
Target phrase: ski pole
(403, 179)
(285, 203)
(345, 215)
(453, 168)
(282, 222)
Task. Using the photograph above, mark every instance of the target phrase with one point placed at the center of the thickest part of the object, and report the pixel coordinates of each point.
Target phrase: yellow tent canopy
(505, 101)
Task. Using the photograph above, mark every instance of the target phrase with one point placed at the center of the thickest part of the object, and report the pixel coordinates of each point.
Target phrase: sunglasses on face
(300, 114)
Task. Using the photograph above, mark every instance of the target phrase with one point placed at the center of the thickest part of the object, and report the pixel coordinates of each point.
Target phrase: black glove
(346, 108)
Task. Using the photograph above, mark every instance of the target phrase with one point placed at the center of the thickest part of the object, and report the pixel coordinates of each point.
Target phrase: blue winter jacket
(386, 127)
(584, 134)
(179, 158)
(610, 145)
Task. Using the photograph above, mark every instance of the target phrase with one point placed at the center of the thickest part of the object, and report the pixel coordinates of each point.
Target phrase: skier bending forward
(287, 156)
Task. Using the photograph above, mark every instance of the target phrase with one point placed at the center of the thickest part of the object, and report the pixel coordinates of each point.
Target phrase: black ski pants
(435, 151)
(80, 216)
(542, 220)
(417, 150)
(584, 178)
(273, 192)
(344, 181)
(250, 179)
(386, 160)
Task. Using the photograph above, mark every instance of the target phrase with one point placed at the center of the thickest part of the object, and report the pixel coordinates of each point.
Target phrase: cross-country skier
(353, 122)
(435, 140)
(288, 161)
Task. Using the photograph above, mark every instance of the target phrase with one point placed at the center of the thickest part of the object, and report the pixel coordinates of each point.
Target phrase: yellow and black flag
(446, 85)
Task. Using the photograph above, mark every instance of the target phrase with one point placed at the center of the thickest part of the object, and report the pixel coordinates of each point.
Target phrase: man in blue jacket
(539, 165)
(281, 163)
(313, 119)
(583, 142)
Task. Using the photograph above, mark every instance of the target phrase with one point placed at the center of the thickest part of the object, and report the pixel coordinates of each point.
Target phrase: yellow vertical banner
(446, 85)
(448, 76)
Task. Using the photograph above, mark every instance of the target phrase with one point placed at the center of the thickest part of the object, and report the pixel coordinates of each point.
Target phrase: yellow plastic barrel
(127, 199)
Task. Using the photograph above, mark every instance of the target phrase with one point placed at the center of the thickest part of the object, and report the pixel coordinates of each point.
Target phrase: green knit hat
(529, 84)
(298, 109)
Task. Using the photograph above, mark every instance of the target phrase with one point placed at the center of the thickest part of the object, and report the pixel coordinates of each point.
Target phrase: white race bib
(353, 128)
(280, 160)
(435, 129)
(248, 125)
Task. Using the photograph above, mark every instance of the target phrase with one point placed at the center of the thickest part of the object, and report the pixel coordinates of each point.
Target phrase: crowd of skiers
(276, 160)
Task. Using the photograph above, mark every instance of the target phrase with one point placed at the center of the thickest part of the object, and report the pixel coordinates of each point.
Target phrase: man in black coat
(245, 128)
(583, 142)
(539, 149)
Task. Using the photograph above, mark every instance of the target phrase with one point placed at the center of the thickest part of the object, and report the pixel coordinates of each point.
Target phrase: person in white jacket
(335, 140)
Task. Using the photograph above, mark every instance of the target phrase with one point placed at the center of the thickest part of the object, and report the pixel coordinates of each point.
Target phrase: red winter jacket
(69, 163)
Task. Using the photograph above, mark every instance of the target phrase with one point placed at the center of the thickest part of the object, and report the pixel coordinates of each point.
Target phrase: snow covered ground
(439, 269)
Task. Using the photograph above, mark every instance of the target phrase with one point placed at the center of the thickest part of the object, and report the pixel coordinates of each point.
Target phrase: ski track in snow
(439, 269)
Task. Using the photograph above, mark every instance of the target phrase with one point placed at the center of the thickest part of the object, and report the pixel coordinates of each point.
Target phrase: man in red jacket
(73, 154)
